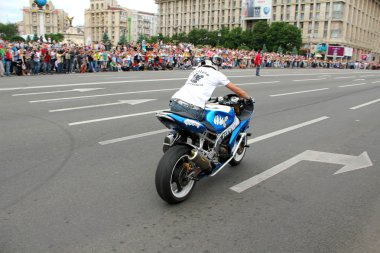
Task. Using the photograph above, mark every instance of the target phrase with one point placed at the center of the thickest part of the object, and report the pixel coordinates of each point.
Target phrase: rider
(200, 85)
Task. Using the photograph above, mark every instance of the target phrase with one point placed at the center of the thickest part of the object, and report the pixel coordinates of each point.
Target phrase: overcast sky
(11, 10)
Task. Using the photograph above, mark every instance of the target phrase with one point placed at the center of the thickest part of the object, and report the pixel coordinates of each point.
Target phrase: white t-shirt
(200, 85)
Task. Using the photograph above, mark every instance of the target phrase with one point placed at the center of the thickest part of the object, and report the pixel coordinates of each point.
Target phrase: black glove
(249, 101)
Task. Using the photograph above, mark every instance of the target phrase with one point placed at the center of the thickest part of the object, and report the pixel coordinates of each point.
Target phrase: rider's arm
(238, 91)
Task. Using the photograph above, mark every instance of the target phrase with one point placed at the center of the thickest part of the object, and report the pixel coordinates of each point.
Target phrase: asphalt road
(78, 156)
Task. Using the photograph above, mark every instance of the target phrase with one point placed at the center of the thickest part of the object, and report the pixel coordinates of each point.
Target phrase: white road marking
(376, 82)
(358, 80)
(288, 129)
(350, 163)
(349, 85)
(92, 83)
(102, 95)
(254, 140)
(365, 104)
(125, 93)
(344, 77)
(58, 91)
(145, 80)
(133, 136)
(240, 84)
(114, 117)
(131, 102)
(297, 92)
(308, 80)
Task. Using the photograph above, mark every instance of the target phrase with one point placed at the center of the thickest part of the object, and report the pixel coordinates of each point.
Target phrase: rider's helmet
(214, 61)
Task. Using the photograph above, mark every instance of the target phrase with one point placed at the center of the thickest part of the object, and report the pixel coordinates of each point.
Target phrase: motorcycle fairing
(244, 124)
(178, 122)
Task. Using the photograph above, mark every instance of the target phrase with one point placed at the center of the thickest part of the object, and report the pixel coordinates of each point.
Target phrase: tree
(285, 35)
(265, 49)
(8, 30)
(259, 34)
(28, 38)
(106, 41)
(122, 40)
(294, 51)
(57, 37)
(17, 38)
(279, 50)
(35, 37)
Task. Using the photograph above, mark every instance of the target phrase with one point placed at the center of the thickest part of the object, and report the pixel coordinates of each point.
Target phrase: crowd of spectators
(36, 58)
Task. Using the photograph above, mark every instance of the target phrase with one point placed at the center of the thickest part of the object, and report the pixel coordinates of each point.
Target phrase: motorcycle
(199, 149)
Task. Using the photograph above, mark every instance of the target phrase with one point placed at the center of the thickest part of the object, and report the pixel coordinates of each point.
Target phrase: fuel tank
(219, 116)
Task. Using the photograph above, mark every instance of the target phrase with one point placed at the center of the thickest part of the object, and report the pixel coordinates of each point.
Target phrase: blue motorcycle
(199, 149)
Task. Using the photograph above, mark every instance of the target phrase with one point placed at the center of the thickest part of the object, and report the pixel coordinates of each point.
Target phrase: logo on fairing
(189, 122)
(218, 120)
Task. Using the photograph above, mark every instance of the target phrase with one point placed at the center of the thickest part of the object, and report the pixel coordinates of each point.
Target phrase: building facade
(142, 23)
(350, 23)
(176, 16)
(106, 16)
(54, 20)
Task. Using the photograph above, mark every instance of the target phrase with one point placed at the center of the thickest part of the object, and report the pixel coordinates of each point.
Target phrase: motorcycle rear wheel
(172, 182)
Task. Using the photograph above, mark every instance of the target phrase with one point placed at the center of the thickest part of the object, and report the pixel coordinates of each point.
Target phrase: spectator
(258, 63)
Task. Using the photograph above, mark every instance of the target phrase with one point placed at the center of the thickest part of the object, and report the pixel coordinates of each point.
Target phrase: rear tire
(172, 182)
(240, 152)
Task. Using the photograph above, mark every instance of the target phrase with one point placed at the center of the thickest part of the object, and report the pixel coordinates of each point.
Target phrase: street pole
(42, 27)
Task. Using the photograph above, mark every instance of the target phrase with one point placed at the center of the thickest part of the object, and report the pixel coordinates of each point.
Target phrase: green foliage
(260, 34)
(17, 38)
(265, 49)
(285, 35)
(35, 37)
(8, 30)
(28, 38)
(280, 50)
(57, 37)
(278, 36)
(294, 51)
(106, 41)
(122, 40)
(243, 47)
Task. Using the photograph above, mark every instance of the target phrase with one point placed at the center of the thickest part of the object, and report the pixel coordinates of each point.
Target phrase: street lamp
(219, 35)
(310, 38)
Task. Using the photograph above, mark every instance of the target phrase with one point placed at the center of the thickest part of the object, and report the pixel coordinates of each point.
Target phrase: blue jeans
(8, 68)
(36, 67)
(257, 70)
(199, 114)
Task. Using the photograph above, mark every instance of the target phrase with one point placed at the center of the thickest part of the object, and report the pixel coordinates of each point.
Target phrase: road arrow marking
(350, 163)
(131, 102)
(59, 91)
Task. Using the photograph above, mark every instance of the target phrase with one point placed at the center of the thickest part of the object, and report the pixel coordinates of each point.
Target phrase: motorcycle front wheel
(238, 157)
(173, 183)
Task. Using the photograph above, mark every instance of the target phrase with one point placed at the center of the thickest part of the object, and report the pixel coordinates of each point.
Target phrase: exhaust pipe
(200, 160)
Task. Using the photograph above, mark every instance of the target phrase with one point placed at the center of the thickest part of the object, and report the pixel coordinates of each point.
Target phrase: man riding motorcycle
(200, 85)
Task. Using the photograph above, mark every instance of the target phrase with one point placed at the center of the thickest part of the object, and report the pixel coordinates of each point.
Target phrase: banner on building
(348, 51)
(366, 57)
(256, 9)
(335, 51)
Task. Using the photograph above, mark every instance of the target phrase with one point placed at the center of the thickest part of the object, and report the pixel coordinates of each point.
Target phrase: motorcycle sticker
(218, 120)
(189, 122)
